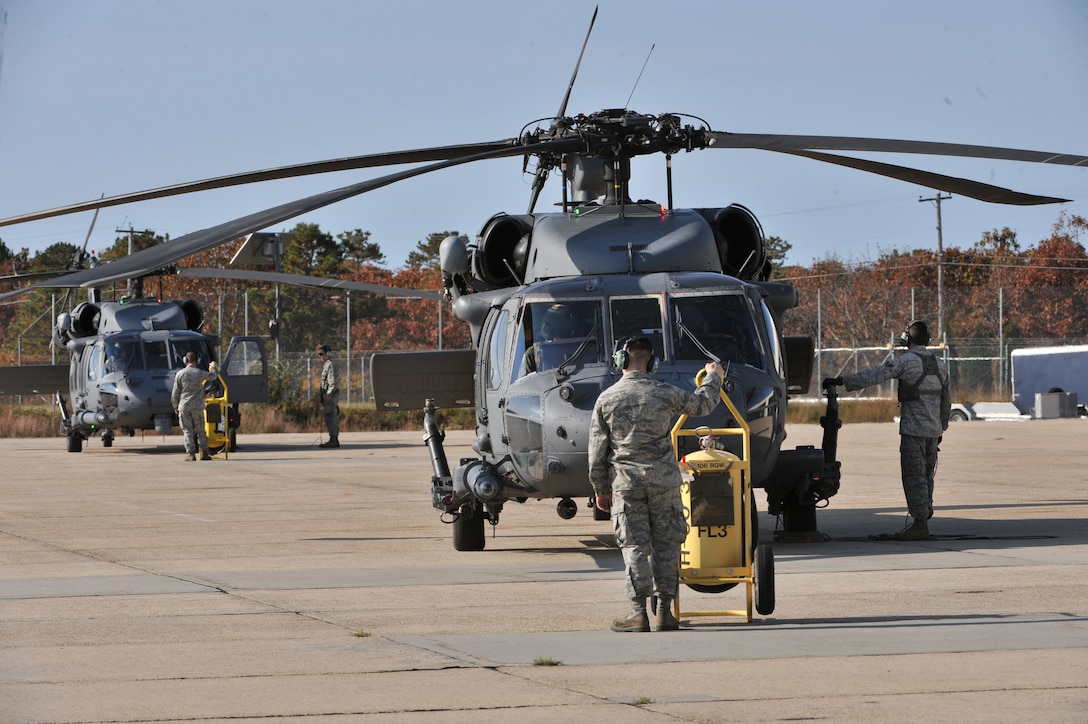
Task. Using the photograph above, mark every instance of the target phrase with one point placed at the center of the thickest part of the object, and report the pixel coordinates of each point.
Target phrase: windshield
(558, 332)
(721, 324)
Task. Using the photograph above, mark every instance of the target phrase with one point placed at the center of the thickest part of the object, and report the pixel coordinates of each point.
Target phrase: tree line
(843, 302)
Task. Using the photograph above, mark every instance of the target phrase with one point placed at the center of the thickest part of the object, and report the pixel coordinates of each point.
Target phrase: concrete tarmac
(291, 583)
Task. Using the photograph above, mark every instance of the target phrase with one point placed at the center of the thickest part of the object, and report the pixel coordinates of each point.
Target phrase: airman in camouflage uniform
(925, 405)
(187, 398)
(330, 397)
(635, 475)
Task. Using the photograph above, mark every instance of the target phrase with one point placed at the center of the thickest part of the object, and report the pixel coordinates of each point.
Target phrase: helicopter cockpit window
(553, 333)
(637, 317)
(123, 355)
(181, 347)
(722, 324)
(157, 356)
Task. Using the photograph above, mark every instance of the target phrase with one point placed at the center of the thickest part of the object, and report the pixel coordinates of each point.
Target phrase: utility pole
(136, 284)
(940, 264)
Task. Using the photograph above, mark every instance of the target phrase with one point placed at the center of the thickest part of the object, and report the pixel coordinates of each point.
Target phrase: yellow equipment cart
(721, 548)
(216, 419)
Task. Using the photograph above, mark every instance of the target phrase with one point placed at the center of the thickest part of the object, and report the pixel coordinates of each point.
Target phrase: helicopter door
(245, 368)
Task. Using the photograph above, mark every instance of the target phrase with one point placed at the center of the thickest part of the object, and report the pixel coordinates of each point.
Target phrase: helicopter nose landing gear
(566, 508)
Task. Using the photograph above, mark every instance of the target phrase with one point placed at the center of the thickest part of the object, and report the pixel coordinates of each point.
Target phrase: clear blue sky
(111, 96)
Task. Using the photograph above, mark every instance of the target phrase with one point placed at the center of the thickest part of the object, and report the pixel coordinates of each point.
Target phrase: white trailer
(1060, 374)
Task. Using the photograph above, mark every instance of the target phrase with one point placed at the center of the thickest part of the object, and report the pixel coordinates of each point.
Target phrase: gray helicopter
(549, 297)
(124, 356)
(125, 353)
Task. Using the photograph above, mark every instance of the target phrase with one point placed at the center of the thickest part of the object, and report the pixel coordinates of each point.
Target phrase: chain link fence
(981, 327)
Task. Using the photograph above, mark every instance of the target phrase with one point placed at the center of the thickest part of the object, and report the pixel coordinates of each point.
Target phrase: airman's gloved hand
(830, 382)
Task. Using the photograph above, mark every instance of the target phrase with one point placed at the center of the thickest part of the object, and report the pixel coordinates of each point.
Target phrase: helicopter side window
(95, 362)
(637, 317)
(496, 347)
(772, 334)
(722, 324)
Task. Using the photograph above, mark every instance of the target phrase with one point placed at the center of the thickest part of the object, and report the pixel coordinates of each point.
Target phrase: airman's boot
(918, 530)
(205, 455)
(665, 620)
(637, 620)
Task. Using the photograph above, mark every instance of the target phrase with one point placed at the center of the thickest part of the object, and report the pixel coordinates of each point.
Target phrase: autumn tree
(1049, 298)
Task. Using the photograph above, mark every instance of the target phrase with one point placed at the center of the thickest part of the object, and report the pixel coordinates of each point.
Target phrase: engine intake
(502, 250)
(740, 241)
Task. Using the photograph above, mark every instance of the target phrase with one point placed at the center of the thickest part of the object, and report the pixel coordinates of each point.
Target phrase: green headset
(921, 337)
(622, 357)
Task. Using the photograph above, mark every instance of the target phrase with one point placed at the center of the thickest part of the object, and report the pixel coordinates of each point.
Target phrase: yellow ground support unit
(720, 552)
(216, 422)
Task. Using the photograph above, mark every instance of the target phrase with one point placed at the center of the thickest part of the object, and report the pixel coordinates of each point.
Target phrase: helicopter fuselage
(124, 357)
(536, 385)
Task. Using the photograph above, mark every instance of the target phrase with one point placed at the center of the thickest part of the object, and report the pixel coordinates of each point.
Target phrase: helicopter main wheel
(75, 442)
(232, 438)
(763, 589)
(107, 439)
(468, 530)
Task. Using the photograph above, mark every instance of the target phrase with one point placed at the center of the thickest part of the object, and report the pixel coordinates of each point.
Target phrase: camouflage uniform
(187, 398)
(922, 422)
(631, 458)
(330, 398)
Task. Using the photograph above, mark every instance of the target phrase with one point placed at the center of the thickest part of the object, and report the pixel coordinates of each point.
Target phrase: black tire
(763, 573)
(232, 437)
(958, 416)
(75, 442)
(468, 530)
(215, 449)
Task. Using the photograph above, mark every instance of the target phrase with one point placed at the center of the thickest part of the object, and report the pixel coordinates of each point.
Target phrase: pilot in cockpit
(119, 357)
(559, 324)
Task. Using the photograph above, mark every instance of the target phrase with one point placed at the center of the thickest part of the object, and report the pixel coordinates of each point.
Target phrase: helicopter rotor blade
(421, 155)
(301, 280)
(951, 184)
(153, 258)
(785, 142)
(542, 170)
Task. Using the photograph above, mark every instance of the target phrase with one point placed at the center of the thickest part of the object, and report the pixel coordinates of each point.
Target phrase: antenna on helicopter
(635, 86)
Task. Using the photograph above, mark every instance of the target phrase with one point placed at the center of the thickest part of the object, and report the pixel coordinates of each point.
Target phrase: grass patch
(642, 701)
(850, 411)
(361, 634)
(545, 661)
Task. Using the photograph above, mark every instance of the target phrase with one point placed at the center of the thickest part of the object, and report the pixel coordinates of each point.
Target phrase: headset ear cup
(653, 365)
(621, 358)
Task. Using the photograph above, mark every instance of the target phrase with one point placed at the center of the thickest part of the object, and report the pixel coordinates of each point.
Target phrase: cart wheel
(710, 587)
(215, 449)
(764, 579)
(468, 530)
